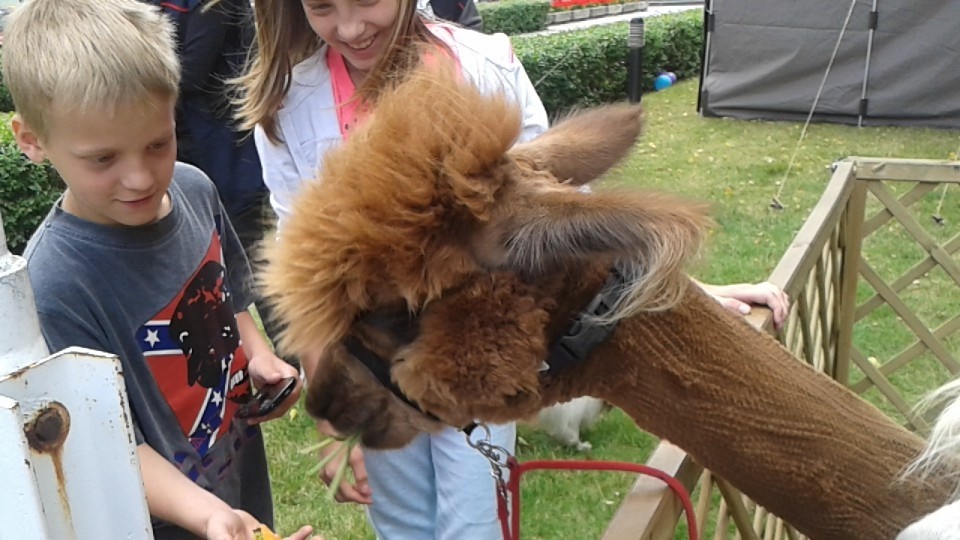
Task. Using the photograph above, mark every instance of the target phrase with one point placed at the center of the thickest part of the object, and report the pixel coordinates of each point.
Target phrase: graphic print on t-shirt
(192, 347)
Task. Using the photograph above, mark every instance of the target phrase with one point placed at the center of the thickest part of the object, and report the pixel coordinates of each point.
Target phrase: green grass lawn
(738, 167)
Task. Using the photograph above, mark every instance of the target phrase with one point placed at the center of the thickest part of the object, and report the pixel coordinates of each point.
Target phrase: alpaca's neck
(793, 440)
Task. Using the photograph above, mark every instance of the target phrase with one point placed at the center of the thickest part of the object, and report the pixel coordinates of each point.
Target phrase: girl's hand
(739, 296)
(358, 492)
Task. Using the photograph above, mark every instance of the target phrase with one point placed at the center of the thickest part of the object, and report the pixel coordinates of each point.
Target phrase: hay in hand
(343, 450)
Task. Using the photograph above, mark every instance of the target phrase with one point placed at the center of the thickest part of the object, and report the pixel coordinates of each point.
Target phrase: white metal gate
(68, 461)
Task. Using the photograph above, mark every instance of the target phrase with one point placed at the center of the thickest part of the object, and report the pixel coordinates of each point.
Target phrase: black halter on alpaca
(381, 370)
(585, 334)
(405, 328)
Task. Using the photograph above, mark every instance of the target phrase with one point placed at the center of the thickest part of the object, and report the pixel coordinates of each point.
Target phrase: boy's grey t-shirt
(163, 297)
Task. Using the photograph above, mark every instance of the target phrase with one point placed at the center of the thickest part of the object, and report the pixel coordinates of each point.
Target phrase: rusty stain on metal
(46, 434)
(124, 410)
(49, 429)
(16, 374)
(56, 456)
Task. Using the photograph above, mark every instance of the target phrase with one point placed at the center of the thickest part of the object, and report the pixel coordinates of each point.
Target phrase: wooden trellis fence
(845, 317)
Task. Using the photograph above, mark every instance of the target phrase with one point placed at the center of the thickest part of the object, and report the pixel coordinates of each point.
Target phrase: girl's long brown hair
(284, 39)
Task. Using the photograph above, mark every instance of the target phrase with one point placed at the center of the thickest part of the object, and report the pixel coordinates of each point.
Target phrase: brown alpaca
(430, 211)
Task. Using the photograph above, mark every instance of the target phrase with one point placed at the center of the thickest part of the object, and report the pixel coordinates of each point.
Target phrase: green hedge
(513, 17)
(27, 191)
(588, 67)
(6, 102)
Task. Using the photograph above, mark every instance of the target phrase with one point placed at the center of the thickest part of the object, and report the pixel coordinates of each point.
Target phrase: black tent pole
(635, 60)
(866, 66)
(708, 22)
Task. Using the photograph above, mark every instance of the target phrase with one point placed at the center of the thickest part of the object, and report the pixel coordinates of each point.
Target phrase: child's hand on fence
(738, 297)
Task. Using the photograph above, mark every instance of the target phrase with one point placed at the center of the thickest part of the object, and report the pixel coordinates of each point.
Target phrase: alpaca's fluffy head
(431, 192)
(385, 222)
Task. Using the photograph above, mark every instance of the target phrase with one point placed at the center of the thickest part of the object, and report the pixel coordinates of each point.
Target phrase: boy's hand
(266, 369)
(239, 525)
(230, 524)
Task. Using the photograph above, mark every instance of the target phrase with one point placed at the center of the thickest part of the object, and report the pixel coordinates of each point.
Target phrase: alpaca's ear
(542, 229)
(585, 145)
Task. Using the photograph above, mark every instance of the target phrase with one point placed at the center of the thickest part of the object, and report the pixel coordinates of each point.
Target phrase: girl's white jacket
(308, 126)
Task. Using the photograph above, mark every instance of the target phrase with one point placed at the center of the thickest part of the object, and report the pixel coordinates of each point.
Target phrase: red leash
(510, 525)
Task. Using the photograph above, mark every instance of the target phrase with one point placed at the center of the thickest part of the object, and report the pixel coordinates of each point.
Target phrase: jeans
(437, 488)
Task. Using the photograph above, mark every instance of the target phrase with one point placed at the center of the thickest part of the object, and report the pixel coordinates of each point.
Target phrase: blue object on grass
(662, 82)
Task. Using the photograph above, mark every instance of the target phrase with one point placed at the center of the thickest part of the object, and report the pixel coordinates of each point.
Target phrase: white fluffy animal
(565, 421)
(944, 444)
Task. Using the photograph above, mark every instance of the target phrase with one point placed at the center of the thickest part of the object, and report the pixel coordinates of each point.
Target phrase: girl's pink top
(352, 111)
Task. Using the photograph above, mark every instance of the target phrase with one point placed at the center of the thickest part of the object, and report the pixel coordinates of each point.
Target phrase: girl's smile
(357, 29)
(363, 44)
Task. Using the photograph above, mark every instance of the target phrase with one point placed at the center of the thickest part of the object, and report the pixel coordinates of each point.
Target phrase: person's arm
(535, 119)
(172, 497)
(203, 42)
(462, 12)
(280, 172)
(498, 70)
(470, 16)
(264, 366)
(254, 344)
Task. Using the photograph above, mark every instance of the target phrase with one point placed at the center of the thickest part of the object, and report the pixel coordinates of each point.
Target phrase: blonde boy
(138, 259)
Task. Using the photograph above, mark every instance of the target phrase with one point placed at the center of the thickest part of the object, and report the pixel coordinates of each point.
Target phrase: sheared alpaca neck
(791, 439)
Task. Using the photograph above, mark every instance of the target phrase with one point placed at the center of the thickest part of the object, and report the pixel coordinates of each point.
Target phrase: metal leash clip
(496, 455)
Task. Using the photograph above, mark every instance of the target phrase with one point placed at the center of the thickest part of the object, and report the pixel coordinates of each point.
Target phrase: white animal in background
(943, 444)
(565, 421)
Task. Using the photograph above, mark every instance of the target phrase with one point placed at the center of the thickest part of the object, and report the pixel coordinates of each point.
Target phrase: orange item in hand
(264, 533)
